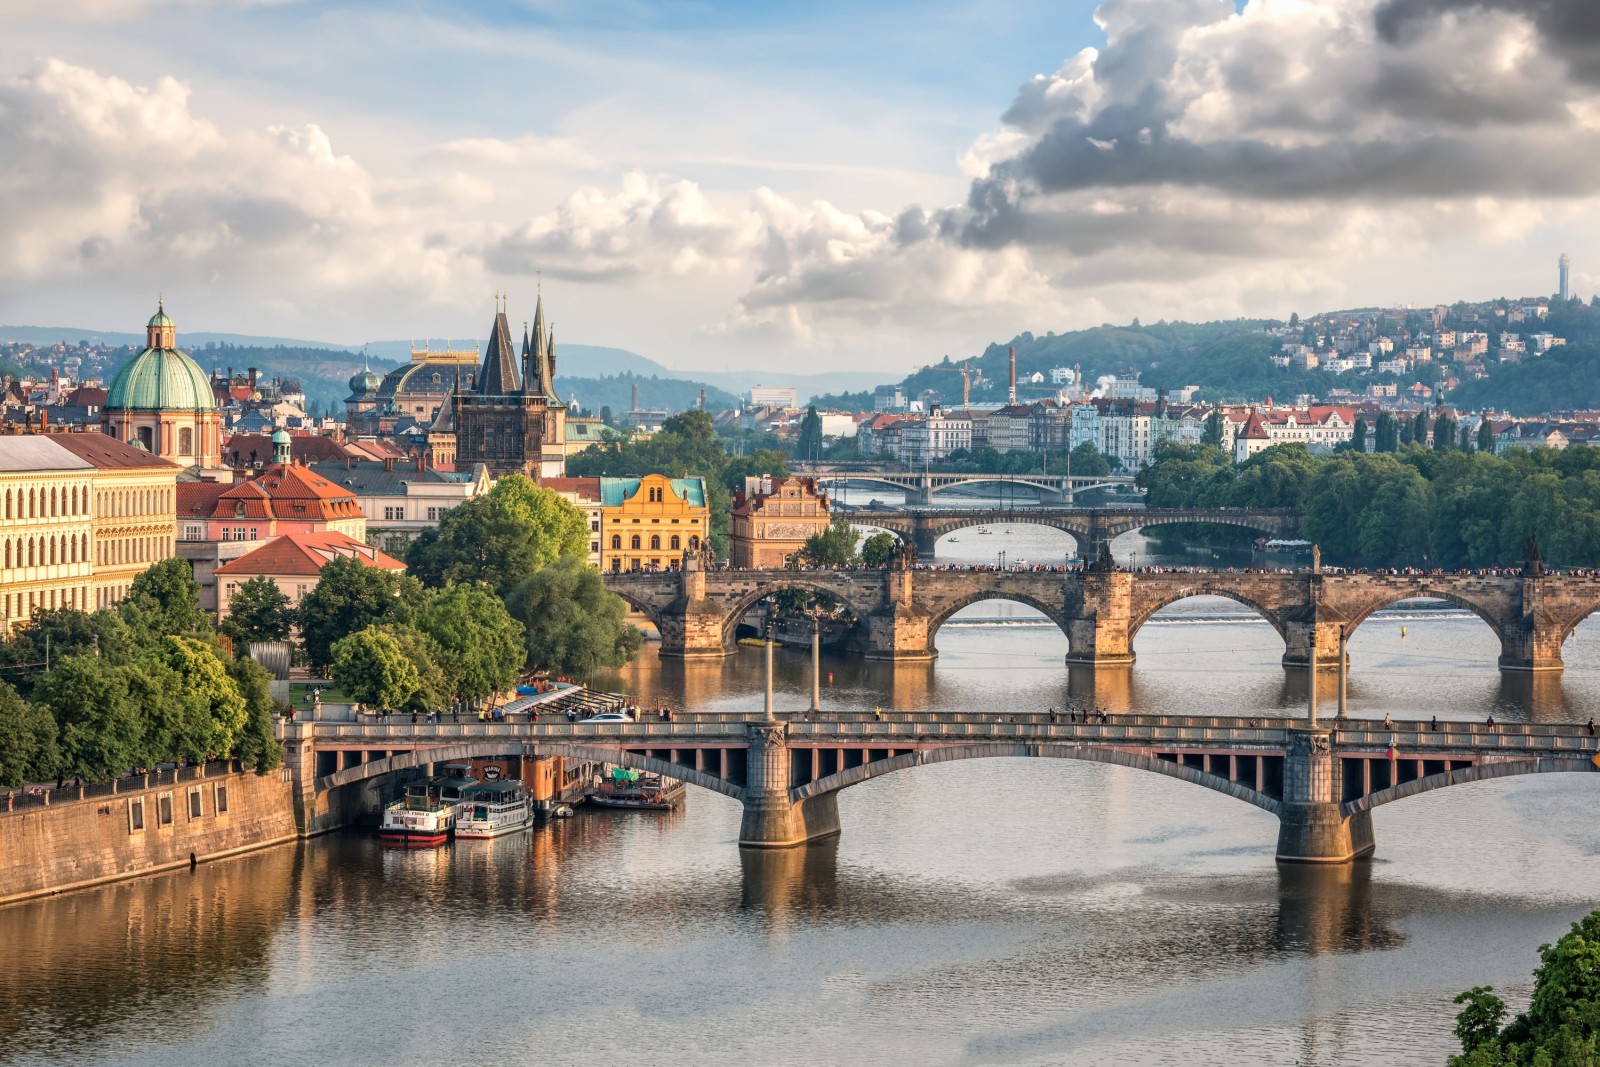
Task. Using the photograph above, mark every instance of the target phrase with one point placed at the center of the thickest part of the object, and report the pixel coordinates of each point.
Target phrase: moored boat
(420, 818)
(632, 791)
(494, 808)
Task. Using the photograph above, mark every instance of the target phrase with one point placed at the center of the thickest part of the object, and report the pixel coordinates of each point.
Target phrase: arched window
(694, 541)
(8, 555)
(655, 542)
(30, 552)
(185, 442)
(635, 541)
(8, 503)
(675, 542)
(616, 541)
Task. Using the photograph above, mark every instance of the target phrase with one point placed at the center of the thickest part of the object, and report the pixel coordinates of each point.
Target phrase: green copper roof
(160, 319)
(614, 491)
(160, 379)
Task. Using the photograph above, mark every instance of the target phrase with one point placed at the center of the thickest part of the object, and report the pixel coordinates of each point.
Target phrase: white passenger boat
(494, 808)
(420, 818)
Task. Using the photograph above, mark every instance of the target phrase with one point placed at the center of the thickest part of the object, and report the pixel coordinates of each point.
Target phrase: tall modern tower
(1565, 263)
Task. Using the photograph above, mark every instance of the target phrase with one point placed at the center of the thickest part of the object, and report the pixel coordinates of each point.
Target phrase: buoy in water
(1402, 631)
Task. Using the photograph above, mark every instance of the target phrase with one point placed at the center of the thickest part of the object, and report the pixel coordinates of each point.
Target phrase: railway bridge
(1321, 781)
(919, 486)
(1092, 528)
(899, 609)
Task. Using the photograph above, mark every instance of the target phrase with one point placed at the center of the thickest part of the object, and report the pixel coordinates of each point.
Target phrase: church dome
(365, 383)
(161, 378)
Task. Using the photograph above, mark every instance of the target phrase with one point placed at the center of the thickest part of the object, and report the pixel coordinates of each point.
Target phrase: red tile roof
(106, 452)
(306, 554)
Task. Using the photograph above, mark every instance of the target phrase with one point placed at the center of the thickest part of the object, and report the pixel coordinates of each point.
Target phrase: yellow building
(81, 515)
(650, 522)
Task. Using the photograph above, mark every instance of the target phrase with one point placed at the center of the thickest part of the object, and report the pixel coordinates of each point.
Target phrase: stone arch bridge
(919, 486)
(1092, 528)
(1322, 782)
(899, 610)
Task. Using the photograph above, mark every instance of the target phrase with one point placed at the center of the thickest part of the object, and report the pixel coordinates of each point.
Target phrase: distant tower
(1011, 395)
(1565, 265)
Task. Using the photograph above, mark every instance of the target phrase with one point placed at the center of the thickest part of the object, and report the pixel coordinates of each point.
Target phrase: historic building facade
(773, 518)
(511, 421)
(415, 392)
(81, 516)
(648, 523)
(294, 564)
(163, 402)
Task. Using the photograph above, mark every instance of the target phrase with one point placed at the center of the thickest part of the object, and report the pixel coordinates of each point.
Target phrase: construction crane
(966, 379)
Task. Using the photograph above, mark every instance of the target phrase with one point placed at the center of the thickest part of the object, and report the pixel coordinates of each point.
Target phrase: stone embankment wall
(163, 826)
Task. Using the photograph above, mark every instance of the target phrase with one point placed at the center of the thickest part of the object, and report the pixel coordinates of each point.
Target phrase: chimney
(419, 461)
(388, 463)
(44, 420)
(635, 397)
(1011, 397)
(252, 373)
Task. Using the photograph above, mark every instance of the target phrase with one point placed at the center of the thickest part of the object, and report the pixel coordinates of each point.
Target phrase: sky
(820, 186)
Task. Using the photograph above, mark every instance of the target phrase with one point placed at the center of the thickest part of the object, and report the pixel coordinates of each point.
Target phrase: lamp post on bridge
(816, 662)
(769, 716)
(1311, 677)
(1342, 669)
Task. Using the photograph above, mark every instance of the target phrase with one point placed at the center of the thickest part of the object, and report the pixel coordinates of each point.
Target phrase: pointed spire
(499, 375)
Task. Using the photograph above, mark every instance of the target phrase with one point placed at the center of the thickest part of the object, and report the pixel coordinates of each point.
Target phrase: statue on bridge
(1532, 561)
(904, 556)
(1105, 562)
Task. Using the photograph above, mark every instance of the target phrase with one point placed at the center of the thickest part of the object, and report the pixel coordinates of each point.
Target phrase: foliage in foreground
(1561, 1027)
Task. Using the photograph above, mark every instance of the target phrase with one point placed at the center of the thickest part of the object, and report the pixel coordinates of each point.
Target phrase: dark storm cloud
(1570, 29)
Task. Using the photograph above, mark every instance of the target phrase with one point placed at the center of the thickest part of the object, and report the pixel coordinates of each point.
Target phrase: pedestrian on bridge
(1433, 723)
(1591, 726)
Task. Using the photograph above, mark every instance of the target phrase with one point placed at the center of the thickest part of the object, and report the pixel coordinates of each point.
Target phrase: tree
(165, 600)
(763, 462)
(833, 547)
(1562, 1024)
(257, 744)
(808, 442)
(28, 750)
(500, 538)
(205, 702)
(1087, 460)
(371, 667)
(258, 611)
(1213, 433)
(101, 731)
(1419, 427)
(572, 624)
(350, 596)
(878, 549)
(479, 644)
(1358, 439)
(1387, 436)
(433, 691)
(1444, 433)
(1486, 434)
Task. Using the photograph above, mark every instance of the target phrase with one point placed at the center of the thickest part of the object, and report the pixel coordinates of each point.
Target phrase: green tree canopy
(373, 668)
(878, 550)
(1561, 1027)
(258, 611)
(350, 596)
(480, 646)
(165, 600)
(1088, 460)
(572, 623)
(101, 729)
(833, 547)
(257, 744)
(28, 749)
(808, 441)
(500, 538)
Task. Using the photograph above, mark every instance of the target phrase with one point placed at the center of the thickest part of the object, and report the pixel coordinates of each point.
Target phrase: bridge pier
(771, 819)
(1312, 825)
(1099, 625)
(1297, 640)
(1532, 643)
(925, 537)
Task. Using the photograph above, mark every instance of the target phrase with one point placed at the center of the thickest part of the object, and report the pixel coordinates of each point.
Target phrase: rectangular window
(220, 801)
(194, 804)
(164, 809)
(433, 514)
(136, 815)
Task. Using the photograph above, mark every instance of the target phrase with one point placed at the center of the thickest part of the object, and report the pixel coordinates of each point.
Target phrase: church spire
(499, 376)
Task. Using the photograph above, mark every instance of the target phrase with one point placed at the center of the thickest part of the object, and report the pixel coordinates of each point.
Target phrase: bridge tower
(1312, 827)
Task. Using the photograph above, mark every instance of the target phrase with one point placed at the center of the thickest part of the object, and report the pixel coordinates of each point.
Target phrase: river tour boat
(631, 791)
(425, 816)
(494, 808)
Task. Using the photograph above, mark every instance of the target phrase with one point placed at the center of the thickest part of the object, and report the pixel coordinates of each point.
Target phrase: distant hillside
(616, 392)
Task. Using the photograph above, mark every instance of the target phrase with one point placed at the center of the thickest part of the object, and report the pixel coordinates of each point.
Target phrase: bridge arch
(1481, 772)
(776, 581)
(991, 750)
(1573, 621)
(1254, 521)
(1144, 611)
(1428, 591)
(1075, 527)
(401, 761)
(641, 605)
(1053, 613)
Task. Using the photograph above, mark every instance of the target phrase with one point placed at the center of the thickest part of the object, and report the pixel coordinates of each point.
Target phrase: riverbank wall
(164, 821)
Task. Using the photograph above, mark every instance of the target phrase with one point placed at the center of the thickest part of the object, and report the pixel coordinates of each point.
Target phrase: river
(976, 912)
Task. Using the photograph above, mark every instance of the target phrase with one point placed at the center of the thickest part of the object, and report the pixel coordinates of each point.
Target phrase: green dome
(281, 437)
(159, 319)
(160, 379)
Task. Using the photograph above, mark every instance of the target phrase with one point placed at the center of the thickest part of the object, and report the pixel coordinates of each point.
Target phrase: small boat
(561, 811)
(494, 808)
(422, 817)
(984, 531)
(953, 540)
(632, 791)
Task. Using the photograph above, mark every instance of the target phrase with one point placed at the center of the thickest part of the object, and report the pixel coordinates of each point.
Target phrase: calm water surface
(982, 912)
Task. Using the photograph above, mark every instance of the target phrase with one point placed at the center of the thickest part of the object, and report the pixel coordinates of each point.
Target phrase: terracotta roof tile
(307, 553)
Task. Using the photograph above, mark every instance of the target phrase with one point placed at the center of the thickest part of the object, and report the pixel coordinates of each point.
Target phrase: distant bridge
(1322, 782)
(899, 611)
(1090, 527)
(919, 487)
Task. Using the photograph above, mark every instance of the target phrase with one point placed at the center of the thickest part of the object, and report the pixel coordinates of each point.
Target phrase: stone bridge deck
(1321, 782)
(1091, 528)
(899, 611)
